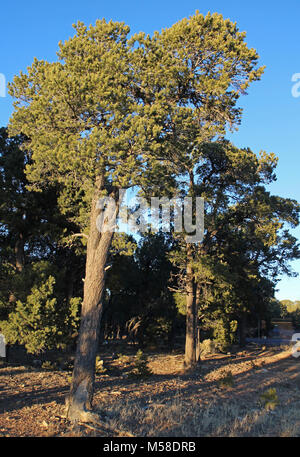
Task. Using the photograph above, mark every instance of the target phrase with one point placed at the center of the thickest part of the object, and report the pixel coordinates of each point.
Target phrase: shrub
(40, 322)
(224, 333)
(155, 331)
(140, 367)
(124, 359)
(99, 366)
(207, 347)
(49, 366)
(226, 380)
(269, 399)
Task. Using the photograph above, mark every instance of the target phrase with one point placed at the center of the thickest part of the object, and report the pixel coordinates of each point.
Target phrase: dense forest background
(42, 270)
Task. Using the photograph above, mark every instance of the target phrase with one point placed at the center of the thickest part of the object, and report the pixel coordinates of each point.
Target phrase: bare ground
(169, 403)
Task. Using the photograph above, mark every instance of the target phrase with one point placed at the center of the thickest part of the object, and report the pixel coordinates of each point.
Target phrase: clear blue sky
(271, 118)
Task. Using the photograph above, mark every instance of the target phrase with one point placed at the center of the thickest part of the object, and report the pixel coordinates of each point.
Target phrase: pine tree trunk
(197, 324)
(79, 401)
(191, 315)
(19, 253)
(19, 262)
(198, 358)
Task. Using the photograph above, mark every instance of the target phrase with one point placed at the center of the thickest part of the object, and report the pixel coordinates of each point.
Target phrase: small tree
(41, 323)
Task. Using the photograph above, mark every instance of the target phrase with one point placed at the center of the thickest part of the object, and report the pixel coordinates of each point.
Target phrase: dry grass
(220, 398)
(229, 418)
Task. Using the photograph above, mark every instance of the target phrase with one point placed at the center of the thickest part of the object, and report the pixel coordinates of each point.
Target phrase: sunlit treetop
(113, 106)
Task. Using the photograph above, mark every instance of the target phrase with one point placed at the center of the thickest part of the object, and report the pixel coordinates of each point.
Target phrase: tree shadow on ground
(158, 388)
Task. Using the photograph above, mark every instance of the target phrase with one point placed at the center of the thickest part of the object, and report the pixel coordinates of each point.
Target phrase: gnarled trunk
(79, 401)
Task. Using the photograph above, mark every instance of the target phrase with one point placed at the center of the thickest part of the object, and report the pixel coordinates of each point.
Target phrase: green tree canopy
(115, 111)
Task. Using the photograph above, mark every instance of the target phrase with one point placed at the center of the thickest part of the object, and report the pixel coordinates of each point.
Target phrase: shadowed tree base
(76, 407)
